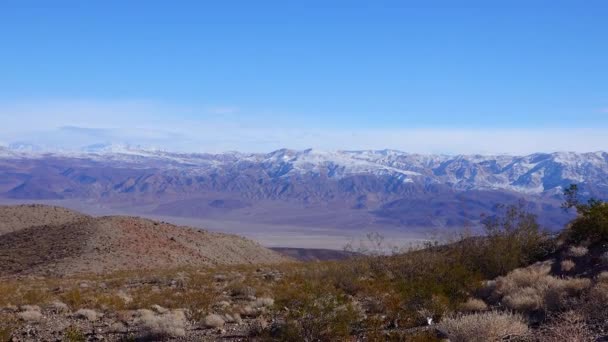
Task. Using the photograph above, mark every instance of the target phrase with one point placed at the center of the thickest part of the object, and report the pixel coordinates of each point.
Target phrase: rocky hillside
(81, 244)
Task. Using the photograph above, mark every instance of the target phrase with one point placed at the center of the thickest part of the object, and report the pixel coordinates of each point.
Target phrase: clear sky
(420, 76)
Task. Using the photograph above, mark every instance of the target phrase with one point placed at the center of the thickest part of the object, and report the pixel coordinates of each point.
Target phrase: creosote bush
(591, 224)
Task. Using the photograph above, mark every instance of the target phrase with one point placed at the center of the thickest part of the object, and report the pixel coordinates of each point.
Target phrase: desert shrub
(240, 290)
(533, 289)
(567, 265)
(565, 293)
(248, 311)
(262, 302)
(528, 277)
(59, 307)
(159, 309)
(213, 321)
(30, 308)
(526, 299)
(602, 277)
(232, 318)
(422, 277)
(195, 300)
(30, 315)
(578, 251)
(169, 325)
(482, 327)
(88, 314)
(596, 303)
(317, 312)
(513, 239)
(569, 326)
(591, 224)
(346, 276)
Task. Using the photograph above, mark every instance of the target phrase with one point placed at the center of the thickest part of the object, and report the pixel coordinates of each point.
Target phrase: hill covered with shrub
(515, 282)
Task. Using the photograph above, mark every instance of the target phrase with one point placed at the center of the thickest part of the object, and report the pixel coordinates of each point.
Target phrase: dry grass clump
(578, 251)
(482, 327)
(473, 305)
(88, 314)
(214, 321)
(168, 325)
(567, 265)
(533, 288)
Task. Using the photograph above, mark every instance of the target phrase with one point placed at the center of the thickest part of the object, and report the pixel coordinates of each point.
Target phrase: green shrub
(591, 224)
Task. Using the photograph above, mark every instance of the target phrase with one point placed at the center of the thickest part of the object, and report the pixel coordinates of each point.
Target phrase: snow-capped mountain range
(389, 184)
(535, 173)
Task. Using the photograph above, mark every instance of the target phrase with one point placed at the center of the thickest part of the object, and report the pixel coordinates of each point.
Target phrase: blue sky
(424, 76)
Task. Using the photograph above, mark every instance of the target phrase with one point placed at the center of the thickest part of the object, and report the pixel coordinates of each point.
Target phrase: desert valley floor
(269, 235)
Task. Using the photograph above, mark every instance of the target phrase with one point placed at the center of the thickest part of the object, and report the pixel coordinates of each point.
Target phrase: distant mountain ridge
(388, 184)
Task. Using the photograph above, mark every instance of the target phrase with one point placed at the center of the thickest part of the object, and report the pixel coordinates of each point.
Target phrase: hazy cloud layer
(74, 124)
